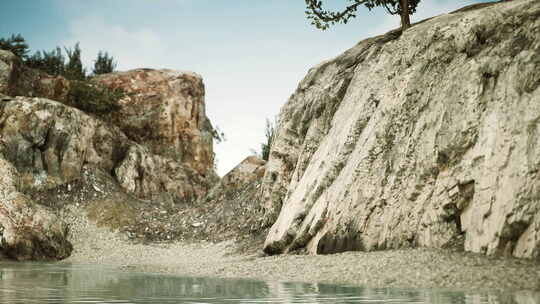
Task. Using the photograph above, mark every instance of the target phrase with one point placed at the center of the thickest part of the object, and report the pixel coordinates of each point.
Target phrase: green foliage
(54, 63)
(270, 133)
(15, 44)
(86, 96)
(74, 69)
(93, 98)
(323, 19)
(104, 64)
(51, 62)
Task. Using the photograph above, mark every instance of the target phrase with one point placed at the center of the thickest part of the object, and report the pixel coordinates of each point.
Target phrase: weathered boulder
(28, 231)
(151, 175)
(18, 80)
(165, 111)
(247, 171)
(417, 139)
(49, 143)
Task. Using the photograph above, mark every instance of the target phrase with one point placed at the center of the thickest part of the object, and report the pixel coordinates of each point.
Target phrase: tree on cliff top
(74, 69)
(51, 62)
(323, 19)
(15, 44)
(104, 64)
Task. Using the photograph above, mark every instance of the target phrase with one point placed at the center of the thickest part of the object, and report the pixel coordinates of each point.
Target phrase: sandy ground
(392, 268)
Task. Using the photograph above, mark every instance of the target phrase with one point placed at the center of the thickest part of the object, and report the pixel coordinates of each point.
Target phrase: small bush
(93, 98)
(270, 133)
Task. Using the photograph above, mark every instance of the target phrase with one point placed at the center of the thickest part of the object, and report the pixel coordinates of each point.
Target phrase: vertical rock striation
(165, 111)
(419, 139)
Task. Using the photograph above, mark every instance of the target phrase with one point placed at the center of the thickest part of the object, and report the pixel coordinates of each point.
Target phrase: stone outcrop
(157, 147)
(49, 143)
(146, 175)
(165, 111)
(249, 170)
(420, 138)
(232, 209)
(28, 231)
(18, 80)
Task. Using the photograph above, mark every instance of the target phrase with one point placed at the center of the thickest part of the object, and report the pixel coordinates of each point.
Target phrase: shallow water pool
(58, 283)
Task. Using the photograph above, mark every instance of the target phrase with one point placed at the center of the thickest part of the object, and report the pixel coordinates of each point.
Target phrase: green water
(54, 283)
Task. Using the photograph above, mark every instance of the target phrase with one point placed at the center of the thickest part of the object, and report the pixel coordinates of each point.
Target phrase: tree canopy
(74, 69)
(51, 62)
(323, 18)
(15, 44)
(103, 64)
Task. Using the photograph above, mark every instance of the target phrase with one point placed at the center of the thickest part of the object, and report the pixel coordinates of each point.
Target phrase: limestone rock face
(151, 175)
(418, 139)
(249, 170)
(28, 231)
(165, 111)
(49, 143)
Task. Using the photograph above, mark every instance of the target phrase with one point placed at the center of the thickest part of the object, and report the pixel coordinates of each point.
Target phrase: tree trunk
(405, 20)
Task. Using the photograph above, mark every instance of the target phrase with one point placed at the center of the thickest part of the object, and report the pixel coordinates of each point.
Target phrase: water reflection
(51, 283)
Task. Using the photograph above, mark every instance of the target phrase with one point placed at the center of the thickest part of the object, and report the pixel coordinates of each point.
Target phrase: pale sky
(251, 53)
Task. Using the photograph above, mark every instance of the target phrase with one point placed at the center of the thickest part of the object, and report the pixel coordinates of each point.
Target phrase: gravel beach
(393, 268)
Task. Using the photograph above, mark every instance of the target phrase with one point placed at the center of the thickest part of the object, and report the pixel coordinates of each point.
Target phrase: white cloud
(235, 100)
(136, 47)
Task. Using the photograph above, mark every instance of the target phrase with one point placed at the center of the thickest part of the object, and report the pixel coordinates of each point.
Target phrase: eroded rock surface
(49, 143)
(157, 148)
(247, 171)
(18, 80)
(150, 175)
(418, 139)
(233, 208)
(165, 111)
(28, 231)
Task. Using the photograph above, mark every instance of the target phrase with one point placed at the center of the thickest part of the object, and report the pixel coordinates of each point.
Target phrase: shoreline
(405, 268)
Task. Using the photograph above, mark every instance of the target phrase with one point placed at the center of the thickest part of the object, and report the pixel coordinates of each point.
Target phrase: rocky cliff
(157, 147)
(430, 137)
(165, 110)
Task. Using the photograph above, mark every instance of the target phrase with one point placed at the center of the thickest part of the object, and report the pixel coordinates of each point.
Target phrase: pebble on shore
(412, 268)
